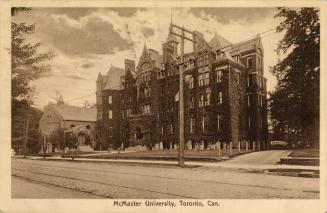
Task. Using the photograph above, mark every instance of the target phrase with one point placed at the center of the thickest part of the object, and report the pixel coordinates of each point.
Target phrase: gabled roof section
(99, 77)
(145, 54)
(156, 57)
(74, 113)
(113, 77)
(218, 42)
(248, 45)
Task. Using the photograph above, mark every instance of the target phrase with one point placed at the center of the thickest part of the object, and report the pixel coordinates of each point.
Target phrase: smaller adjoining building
(74, 126)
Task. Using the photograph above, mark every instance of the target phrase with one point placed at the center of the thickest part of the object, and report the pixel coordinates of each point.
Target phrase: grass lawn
(305, 153)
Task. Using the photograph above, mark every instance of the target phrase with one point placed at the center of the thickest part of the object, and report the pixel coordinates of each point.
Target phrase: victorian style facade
(225, 96)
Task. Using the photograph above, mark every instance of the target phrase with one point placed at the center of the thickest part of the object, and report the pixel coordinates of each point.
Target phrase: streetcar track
(163, 177)
(61, 186)
(102, 183)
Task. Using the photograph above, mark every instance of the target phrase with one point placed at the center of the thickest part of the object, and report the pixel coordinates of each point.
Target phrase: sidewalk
(252, 167)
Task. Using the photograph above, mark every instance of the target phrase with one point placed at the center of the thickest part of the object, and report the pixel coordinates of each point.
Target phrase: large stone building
(225, 96)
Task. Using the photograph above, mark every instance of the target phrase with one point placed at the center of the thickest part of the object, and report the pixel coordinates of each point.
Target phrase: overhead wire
(231, 47)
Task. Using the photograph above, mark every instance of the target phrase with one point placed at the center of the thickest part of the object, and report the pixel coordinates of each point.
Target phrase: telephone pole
(182, 36)
(27, 115)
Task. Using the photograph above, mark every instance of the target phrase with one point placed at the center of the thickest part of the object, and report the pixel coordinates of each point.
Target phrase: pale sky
(87, 41)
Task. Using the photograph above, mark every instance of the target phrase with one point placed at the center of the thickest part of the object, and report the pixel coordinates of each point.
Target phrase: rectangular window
(238, 77)
(191, 102)
(162, 129)
(110, 114)
(201, 80)
(192, 125)
(207, 101)
(220, 98)
(110, 132)
(259, 63)
(204, 123)
(206, 79)
(219, 75)
(248, 80)
(109, 99)
(249, 62)
(258, 99)
(218, 122)
(191, 83)
(201, 101)
(249, 100)
(147, 92)
(249, 120)
(171, 128)
(146, 109)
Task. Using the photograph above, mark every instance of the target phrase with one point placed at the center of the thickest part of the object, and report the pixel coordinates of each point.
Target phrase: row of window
(204, 123)
(204, 100)
(99, 115)
(203, 79)
(250, 122)
(145, 92)
(146, 109)
(99, 100)
(144, 77)
(126, 113)
(259, 101)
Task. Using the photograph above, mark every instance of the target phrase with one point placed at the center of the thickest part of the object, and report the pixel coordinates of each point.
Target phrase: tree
(27, 65)
(56, 138)
(294, 105)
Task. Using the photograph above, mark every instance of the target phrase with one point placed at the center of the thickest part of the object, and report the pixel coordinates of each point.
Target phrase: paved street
(103, 180)
(23, 188)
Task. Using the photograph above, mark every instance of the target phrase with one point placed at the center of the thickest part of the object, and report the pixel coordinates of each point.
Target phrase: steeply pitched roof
(218, 42)
(75, 113)
(113, 77)
(247, 45)
(155, 56)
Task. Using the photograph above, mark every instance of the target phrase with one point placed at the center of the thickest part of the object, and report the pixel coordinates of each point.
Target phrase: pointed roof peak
(60, 100)
(218, 41)
(99, 75)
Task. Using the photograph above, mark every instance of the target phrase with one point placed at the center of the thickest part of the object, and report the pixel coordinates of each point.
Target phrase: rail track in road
(157, 176)
(89, 181)
(60, 186)
(112, 181)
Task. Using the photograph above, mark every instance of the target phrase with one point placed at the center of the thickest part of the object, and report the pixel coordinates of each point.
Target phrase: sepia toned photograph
(186, 104)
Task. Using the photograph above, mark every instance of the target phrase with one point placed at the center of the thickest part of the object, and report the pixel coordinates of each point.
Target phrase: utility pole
(26, 129)
(181, 87)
